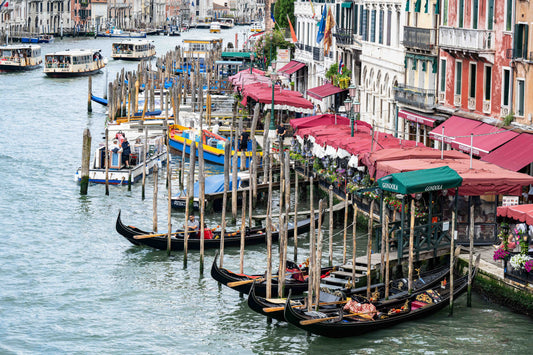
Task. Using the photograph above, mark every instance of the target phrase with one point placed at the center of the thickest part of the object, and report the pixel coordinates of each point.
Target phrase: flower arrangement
(393, 203)
(518, 261)
(528, 265)
(371, 194)
(501, 254)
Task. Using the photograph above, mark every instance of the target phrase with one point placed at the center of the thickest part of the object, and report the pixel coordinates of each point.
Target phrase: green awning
(347, 4)
(418, 181)
(236, 54)
(418, 3)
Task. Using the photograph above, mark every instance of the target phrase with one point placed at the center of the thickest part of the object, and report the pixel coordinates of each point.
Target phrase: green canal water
(70, 284)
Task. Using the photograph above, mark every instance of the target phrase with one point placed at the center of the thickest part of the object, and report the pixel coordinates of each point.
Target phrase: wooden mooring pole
(154, 219)
(452, 257)
(470, 255)
(89, 102)
(369, 250)
(85, 161)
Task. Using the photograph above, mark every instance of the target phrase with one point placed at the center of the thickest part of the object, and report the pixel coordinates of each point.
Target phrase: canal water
(70, 284)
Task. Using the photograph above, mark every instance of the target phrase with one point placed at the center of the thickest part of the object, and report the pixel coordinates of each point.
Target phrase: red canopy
(482, 179)
(261, 92)
(291, 67)
(454, 126)
(323, 91)
(486, 138)
(410, 152)
(522, 213)
(325, 119)
(513, 155)
(244, 78)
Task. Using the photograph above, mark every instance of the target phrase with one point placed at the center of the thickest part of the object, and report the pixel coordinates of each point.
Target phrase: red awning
(522, 213)
(320, 92)
(486, 138)
(482, 179)
(415, 117)
(292, 67)
(453, 127)
(513, 155)
(324, 119)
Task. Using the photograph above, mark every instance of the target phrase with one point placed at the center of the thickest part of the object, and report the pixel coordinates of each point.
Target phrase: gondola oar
(276, 309)
(145, 236)
(318, 320)
(244, 282)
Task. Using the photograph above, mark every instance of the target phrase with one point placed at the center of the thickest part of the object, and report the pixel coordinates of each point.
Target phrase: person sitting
(114, 146)
(192, 225)
(126, 151)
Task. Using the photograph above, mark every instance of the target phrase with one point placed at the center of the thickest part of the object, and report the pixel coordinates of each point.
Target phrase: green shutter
(418, 3)
(424, 65)
(407, 6)
(526, 33)
(517, 47)
(437, 7)
(426, 7)
(434, 65)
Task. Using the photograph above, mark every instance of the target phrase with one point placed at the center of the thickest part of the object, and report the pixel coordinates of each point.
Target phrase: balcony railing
(308, 48)
(318, 54)
(519, 53)
(343, 36)
(422, 38)
(415, 97)
(465, 39)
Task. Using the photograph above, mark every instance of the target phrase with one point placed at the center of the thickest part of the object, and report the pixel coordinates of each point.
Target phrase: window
(475, 11)
(490, 14)
(373, 26)
(389, 17)
(521, 40)
(445, 13)
(520, 95)
(506, 87)
(472, 81)
(460, 16)
(364, 25)
(458, 77)
(381, 24)
(508, 15)
(442, 87)
(488, 83)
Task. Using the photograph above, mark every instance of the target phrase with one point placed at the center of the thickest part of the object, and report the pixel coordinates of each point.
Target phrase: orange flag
(312, 7)
(293, 34)
(330, 24)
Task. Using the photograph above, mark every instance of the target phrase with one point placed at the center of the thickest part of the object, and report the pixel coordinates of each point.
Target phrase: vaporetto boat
(20, 57)
(76, 62)
(132, 49)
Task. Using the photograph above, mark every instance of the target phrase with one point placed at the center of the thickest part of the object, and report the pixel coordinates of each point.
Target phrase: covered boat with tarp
(213, 184)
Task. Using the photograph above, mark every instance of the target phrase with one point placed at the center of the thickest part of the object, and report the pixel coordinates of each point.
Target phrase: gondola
(397, 290)
(253, 236)
(296, 282)
(339, 323)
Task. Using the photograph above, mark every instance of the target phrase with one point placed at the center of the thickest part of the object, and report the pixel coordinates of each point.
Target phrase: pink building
(475, 75)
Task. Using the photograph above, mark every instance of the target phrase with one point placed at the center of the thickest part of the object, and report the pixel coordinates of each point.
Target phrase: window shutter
(524, 48)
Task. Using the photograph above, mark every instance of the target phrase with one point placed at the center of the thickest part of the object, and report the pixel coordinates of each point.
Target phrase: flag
(4, 3)
(192, 3)
(330, 24)
(312, 8)
(341, 66)
(293, 34)
(272, 17)
(322, 25)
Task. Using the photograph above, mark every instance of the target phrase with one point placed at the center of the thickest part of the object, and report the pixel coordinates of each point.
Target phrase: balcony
(466, 40)
(519, 53)
(415, 97)
(419, 38)
(318, 54)
(343, 36)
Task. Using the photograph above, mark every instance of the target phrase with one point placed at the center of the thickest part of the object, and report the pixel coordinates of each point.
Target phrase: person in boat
(216, 127)
(114, 146)
(126, 151)
(243, 144)
(192, 225)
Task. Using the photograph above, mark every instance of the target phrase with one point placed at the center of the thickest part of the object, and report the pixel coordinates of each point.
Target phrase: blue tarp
(213, 184)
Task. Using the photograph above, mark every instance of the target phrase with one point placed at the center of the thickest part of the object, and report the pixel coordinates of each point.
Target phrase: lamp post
(274, 77)
(251, 62)
(352, 106)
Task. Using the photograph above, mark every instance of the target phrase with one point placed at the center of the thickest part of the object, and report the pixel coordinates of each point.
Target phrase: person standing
(280, 131)
(243, 144)
(126, 151)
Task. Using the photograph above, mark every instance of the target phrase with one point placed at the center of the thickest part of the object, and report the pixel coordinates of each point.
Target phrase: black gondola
(225, 276)
(336, 324)
(398, 290)
(253, 236)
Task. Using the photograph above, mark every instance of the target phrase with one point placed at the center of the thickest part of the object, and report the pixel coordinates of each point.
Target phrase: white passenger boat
(119, 171)
(198, 48)
(133, 49)
(214, 27)
(73, 63)
(20, 57)
(256, 27)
